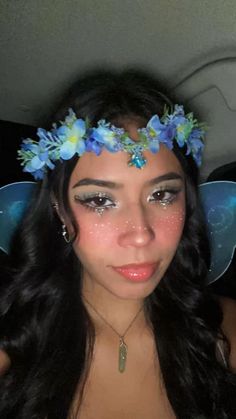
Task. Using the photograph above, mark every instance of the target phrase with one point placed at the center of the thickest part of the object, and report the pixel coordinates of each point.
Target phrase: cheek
(99, 233)
(95, 233)
(169, 227)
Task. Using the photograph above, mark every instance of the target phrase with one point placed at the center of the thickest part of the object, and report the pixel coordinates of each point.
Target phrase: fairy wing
(219, 204)
(14, 199)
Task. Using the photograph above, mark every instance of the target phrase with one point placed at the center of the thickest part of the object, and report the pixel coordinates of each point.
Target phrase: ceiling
(190, 44)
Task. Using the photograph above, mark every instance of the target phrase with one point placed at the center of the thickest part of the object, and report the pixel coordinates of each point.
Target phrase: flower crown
(75, 137)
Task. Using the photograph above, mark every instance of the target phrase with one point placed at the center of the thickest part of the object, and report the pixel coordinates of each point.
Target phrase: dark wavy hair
(44, 326)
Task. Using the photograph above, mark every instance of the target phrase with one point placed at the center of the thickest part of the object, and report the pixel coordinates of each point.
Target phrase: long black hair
(44, 326)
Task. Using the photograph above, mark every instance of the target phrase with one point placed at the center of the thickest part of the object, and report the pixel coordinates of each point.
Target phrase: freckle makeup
(100, 232)
(170, 224)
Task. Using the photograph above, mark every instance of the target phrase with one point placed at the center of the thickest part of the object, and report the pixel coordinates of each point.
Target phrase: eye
(163, 196)
(98, 202)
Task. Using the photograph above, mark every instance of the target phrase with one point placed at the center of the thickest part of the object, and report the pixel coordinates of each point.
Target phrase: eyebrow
(113, 185)
(166, 176)
(98, 182)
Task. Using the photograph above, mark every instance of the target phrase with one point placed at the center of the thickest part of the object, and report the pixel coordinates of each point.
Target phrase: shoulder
(4, 362)
(228, 326)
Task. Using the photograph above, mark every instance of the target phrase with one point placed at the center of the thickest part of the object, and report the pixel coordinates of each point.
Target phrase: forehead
(114, 166)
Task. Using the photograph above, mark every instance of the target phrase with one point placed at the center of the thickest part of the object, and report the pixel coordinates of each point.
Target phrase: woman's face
(130, 220)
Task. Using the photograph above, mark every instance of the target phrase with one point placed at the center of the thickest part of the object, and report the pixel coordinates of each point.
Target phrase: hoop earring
(65, 234)
(55, 206)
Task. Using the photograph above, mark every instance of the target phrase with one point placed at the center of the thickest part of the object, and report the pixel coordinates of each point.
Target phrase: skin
(133, 229)
(143, 223)
(4, 362)
(143, 220)
(229, 327)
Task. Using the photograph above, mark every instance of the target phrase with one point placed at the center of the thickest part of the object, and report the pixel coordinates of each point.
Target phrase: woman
(105, 313)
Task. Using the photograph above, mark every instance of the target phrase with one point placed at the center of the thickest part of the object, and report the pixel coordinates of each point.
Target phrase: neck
(118, 312)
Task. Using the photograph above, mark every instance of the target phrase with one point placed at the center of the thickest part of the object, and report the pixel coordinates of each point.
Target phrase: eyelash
(172, 195)
(89, 201)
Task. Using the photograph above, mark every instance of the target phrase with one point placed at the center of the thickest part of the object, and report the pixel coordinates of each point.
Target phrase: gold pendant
(123, 350)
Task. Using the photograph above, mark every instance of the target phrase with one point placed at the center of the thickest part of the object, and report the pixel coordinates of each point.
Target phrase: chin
(135, 291)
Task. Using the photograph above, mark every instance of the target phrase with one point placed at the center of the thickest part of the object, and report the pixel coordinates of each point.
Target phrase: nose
(136, 229)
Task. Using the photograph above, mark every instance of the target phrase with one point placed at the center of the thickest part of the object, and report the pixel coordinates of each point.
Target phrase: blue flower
(29, 145)
(74, 136)
(71, 139)
(168, 135)
(160, 132)
(37, 159)
(45, 137)
(155, 127)
(70, 118)
(195, 145)
(37, 174)
(183, 130)
(106, 136)
(178, 110)
(93, 145)
(150, 142)
(154, 146)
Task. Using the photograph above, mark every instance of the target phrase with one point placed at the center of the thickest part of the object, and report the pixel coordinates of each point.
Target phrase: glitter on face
(141, 221)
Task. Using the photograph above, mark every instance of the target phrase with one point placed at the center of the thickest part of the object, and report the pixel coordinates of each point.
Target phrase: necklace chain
(123, 347)
(105, 321)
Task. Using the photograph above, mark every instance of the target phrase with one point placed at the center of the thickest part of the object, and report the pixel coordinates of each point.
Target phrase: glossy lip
(137, 272)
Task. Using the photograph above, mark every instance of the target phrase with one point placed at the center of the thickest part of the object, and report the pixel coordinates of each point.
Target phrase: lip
(137, 272)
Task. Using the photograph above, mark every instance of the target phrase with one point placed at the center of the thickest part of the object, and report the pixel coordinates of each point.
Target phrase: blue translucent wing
(219, 204)
(14, 199)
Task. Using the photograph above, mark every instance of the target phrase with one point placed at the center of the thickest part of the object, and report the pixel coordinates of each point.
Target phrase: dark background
(11, 135)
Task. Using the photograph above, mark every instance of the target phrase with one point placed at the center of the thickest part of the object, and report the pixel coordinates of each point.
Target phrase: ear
(62, 216)
(56, 208)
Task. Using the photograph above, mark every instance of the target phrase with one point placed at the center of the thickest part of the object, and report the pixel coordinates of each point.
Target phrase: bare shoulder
(228, 306)
(4, 362)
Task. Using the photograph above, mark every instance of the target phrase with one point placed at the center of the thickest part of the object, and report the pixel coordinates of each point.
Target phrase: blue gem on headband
(75, 137)
(137, 160)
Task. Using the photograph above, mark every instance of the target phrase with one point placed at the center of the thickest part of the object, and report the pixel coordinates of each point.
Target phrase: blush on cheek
(96, 234)
(170, 225)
